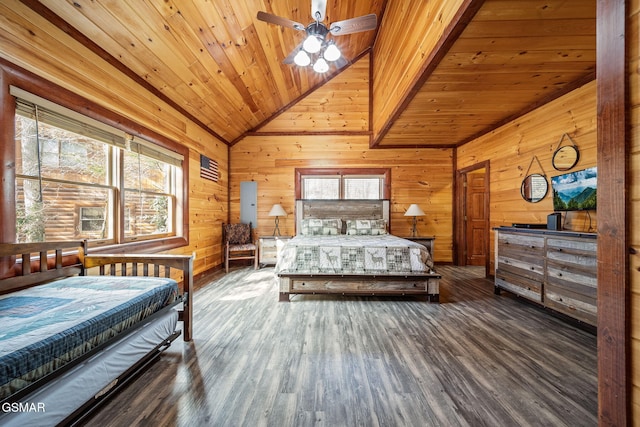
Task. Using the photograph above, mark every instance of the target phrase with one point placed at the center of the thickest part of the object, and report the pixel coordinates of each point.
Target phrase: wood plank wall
(31, 42)
(329, 128)
(633, 53)
(417, 176)
(511, 148)
(395, 72)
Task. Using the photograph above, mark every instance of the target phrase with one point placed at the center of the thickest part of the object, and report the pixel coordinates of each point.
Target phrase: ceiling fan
(316, 48)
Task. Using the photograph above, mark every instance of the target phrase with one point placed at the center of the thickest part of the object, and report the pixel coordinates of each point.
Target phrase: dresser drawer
(573, 277)
(531, 268)
(572, 302)
(521, 243)
(269, 247)
(519, 285)
(573, 244)
(575, 254)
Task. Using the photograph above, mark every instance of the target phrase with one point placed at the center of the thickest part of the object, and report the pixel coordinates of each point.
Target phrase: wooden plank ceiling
(513, 56)
(222, 66)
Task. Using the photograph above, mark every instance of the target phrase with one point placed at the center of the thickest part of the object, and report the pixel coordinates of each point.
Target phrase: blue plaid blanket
(47, 326)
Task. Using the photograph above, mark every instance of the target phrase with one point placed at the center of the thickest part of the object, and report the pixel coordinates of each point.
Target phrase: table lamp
(277, 211)
(414, 211)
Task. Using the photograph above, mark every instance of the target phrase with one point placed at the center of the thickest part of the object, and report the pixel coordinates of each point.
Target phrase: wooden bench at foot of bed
(427, 285)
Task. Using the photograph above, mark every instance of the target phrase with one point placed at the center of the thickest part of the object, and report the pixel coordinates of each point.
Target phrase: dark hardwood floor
(475, 359)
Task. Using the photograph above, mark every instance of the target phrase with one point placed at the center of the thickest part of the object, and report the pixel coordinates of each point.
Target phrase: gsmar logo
(23, 407)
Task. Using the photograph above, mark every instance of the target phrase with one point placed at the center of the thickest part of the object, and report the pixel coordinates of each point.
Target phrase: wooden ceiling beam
(457, 25)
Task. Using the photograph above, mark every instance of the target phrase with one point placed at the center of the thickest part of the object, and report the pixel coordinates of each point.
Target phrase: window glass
(342, 187)
(146, 214)
(321, 187)
(148, 202)
(66, 186)
(62, 155)
(144, 173)
(362, 188)
(48, 211)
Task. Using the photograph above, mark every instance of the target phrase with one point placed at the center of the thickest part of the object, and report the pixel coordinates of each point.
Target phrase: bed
(345, 247)
(78, 326)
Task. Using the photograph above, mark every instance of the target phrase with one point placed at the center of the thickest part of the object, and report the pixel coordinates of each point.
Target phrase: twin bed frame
(26, 265)
(420, 284)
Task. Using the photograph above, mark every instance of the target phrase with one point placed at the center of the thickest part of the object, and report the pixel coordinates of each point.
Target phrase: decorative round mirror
(565, 157)
(534, 187)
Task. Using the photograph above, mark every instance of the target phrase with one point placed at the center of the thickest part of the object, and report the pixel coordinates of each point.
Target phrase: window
(92, 220)
(148, 201)
(80, 179)
(351, 184)
(362, 187)
(320, 187)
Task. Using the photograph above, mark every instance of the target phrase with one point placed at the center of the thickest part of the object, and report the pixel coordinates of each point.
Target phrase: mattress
(51, 404)
(46, 327)
(353, 254)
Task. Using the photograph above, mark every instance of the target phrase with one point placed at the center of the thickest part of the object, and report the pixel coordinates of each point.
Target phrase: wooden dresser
(557, 269)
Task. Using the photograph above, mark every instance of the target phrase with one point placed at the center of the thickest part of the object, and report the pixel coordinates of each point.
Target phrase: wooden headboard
(342, 209)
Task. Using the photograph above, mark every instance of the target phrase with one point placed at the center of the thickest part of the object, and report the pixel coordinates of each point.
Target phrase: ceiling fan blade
(340, 62)
(283, 22)
(318, 10)
(292, 55)
(354, 25)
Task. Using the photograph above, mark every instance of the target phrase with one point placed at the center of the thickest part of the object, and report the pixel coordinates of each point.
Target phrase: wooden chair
(238, 244)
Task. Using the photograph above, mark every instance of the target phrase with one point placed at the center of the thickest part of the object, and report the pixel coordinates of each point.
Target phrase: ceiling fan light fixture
(316, 48)
(302, 59)
(321, 66)
(332, 53)
(312, 44)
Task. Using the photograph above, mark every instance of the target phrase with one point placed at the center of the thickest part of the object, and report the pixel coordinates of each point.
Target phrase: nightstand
(426, 241)
(269, 248)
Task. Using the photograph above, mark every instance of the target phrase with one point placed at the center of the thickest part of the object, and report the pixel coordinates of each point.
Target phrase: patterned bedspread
(47, 326)
(346, 254)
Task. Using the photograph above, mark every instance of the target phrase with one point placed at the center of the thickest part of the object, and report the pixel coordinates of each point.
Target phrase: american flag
(208, 168)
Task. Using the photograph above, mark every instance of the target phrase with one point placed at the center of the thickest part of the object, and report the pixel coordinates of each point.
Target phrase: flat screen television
(575, 191)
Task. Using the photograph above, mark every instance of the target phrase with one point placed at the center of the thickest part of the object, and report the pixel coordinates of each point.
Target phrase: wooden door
(476, 217)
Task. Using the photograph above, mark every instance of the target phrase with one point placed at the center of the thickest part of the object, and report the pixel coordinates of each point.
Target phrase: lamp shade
(312, 44)
(332, 53)
(321, 66)
(414, 210)
(302, 58)
(277, 210)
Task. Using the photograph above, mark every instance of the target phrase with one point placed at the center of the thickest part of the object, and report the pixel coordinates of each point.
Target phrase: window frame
(300, 173)
(122, 212)
(14, 76)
